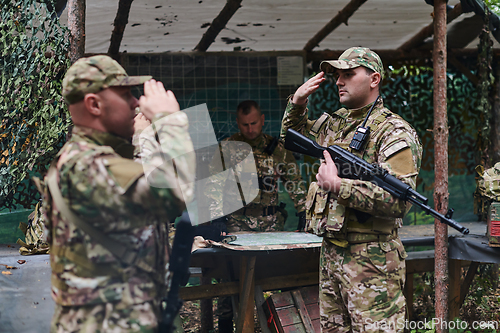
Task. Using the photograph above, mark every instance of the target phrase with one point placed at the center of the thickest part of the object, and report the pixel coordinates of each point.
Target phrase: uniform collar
(120, 145)
(255, 142)
(361, 112)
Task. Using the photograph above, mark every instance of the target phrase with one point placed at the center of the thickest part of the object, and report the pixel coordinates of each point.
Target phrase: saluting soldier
(273, 162)
(107, 222)
(264, 213)
(362, 268)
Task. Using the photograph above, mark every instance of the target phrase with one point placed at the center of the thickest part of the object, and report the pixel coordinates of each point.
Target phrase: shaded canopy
(278, 25)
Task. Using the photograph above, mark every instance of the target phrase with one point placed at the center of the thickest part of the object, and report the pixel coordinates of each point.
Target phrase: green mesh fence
(33, 58)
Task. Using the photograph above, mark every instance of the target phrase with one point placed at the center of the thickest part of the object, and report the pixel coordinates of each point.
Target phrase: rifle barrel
(354, 167)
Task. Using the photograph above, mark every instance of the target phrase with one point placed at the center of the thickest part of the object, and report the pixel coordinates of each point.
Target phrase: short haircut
(246, 107)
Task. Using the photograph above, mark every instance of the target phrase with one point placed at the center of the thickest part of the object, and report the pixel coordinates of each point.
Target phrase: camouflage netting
(33, 58)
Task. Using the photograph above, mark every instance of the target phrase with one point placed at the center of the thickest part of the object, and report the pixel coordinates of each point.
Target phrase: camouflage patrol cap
(352, 58)
(93, 74)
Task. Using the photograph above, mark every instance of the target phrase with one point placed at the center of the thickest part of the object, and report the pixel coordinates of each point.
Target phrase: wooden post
(454, 297)
(441, 194)
(408, 292)
(206, 311)
(76, 25)
(218, 24)
(245, 323)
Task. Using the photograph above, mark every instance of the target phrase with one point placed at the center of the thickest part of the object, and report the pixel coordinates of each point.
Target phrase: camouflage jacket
(393, 145)
(105, 187)
(280, 165)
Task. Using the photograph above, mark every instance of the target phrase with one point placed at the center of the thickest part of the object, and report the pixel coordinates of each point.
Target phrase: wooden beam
(232, 288)
(428, 31)
(441, 134)
(218, 24)
(120, 23)
(464, 289)
(245, 321)
(341, 17)
(389, 56)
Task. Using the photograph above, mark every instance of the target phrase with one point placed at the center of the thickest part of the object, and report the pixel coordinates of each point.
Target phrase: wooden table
(279, 260)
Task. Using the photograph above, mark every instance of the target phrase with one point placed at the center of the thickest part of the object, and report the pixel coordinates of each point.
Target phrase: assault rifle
(352, 167)
(179, 268)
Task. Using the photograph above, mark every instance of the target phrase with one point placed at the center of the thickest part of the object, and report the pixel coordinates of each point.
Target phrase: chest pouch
(323, 213)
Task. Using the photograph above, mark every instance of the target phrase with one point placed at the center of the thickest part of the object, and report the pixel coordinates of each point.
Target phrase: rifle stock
(352, 167)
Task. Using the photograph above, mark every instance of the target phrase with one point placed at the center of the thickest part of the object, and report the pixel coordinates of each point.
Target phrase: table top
(263, 242)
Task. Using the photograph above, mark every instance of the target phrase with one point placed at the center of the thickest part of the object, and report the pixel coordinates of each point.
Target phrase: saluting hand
(305, 90)
(327, 176)
(156, 99)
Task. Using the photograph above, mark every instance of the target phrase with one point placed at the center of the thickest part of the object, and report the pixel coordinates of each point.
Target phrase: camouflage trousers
(106, 317)
(275, 222)
(361, 287)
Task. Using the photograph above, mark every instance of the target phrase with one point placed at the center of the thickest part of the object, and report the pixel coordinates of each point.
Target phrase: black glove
(212, 231)
(302, 221)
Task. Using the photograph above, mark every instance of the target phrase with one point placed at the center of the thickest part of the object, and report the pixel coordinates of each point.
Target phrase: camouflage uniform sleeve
(295, 117)
(400, 153)
(289, 172)
(168, 160)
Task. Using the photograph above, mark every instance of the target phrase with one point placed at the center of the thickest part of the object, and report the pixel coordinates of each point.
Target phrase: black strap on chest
(362, 133)
(269, 150)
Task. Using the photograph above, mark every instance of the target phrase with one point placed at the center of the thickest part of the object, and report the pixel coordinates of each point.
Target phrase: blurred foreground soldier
(273, 162)
(103, 204)
(362, 268)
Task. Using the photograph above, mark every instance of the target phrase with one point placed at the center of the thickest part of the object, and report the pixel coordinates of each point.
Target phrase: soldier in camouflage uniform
(98, 183)
(263, 213)
(273, 162)
(362, 268)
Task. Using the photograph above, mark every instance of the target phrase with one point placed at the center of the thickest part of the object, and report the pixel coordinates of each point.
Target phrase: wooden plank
(288, 316)
(218, 24)
(428, 31)
(317, 324)
(420, 266)
(121, 21)
(310, 294)
(408, 292)
(281, 300)
(340, 18)
(471, 272)
(231, 288)
(245, 322)
(259, 304)
(454, 272)
(304, 314)
(209, 291)
(270, 311)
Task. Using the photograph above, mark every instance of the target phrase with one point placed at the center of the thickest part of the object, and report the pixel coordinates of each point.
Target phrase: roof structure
(278, 25)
